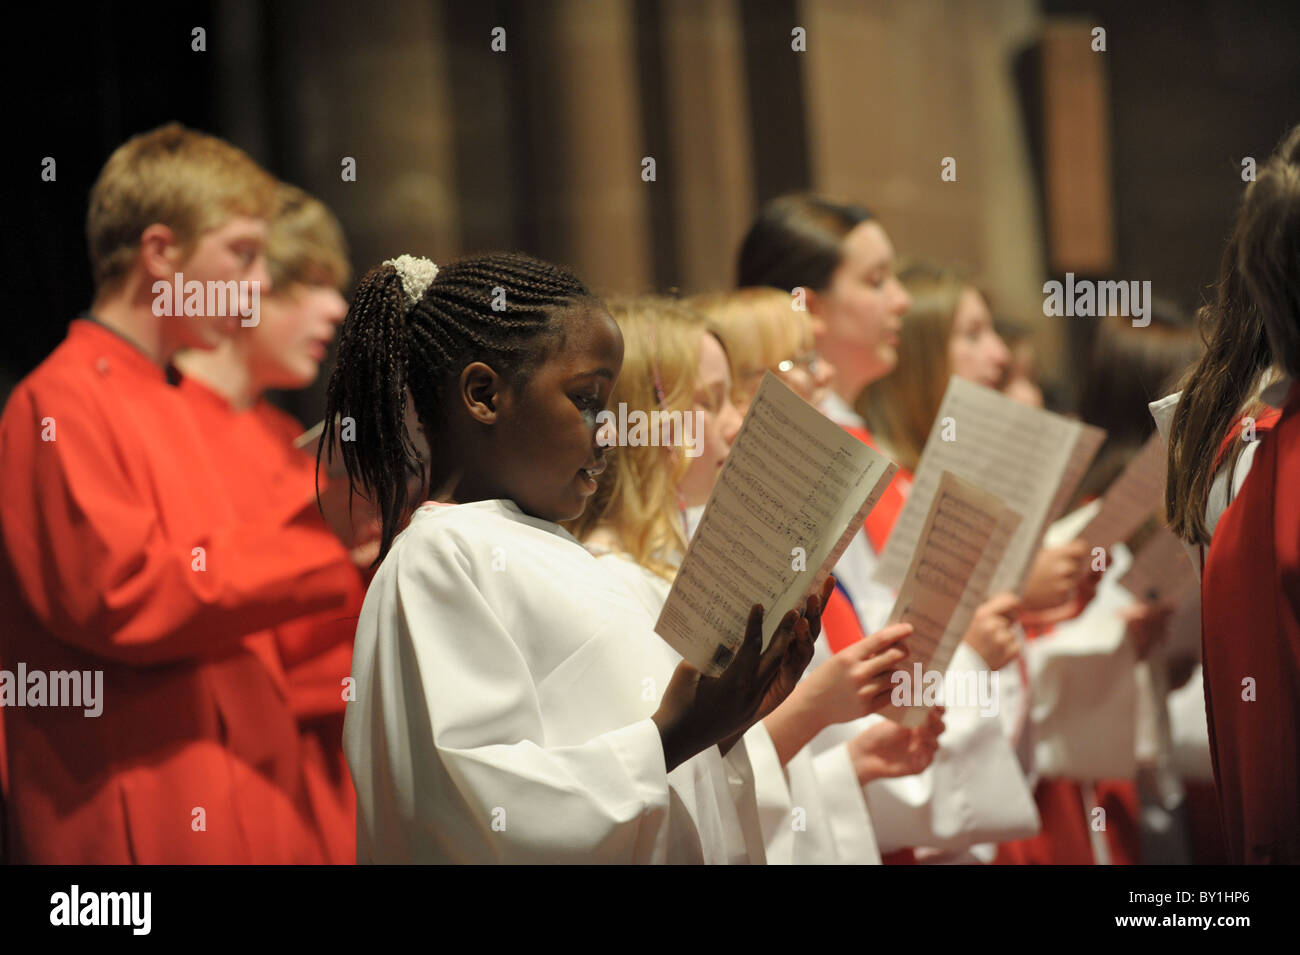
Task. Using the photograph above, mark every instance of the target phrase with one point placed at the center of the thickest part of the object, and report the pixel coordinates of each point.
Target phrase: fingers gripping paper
(962, 542)
(795, 489)
(1031, 459)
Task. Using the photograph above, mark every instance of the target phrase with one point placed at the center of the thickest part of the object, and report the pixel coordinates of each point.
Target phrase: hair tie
(417, 274)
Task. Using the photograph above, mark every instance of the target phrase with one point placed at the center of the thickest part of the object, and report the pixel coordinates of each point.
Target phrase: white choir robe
(811, 810)
(504, 685)
(1087, 684)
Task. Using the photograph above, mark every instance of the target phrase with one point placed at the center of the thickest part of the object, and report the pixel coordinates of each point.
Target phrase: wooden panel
(1076, 150)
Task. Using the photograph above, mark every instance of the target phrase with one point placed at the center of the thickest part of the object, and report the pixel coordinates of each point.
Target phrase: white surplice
(504, 685)
(1091, 708)
(812, 810)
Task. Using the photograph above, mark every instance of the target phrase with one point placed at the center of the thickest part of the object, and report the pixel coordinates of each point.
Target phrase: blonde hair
(758, 328)
(305, 243)
(637, 498)
(900, 408)
(188, 181)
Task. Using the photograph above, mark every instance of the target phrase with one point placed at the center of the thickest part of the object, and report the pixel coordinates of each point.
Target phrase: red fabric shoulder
(880, 522)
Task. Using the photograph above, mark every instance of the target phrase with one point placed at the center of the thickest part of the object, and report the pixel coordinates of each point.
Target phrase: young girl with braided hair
(511, 702)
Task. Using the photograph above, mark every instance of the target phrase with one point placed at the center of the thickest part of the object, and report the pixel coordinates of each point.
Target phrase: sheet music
(308, 440)
(793, 479)
(1162, 571)
(1131, 497)
(965, 535)
(1030, 459)
(1086, 446)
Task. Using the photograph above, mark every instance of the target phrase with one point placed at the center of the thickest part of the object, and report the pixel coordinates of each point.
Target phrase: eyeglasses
(806, 361)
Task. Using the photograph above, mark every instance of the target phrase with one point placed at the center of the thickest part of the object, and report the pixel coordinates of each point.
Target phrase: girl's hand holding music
(991, 634)
(887, 749)
(698, 711)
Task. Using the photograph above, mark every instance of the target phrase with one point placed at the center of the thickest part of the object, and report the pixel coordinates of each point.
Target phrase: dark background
(461, 149)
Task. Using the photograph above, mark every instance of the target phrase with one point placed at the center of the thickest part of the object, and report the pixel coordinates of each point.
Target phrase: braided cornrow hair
(495, 308)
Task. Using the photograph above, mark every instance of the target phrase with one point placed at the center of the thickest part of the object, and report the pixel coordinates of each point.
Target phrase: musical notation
(794, 490)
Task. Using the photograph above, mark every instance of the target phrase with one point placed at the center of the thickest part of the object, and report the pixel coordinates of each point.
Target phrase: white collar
(501, 507)
(839, 411)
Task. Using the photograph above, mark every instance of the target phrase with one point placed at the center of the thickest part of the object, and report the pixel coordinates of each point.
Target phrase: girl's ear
(481, 390)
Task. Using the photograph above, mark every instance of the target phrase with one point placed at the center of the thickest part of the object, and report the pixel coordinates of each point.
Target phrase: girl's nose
(338, 307)
(902, 301)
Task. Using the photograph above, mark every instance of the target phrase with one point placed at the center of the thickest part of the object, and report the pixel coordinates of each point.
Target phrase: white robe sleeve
(447, 746)
(1085, 688)
(973, 792)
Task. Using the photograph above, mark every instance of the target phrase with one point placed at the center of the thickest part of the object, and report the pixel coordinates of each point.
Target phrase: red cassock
(124, 553)
(254, 451)
(1250, 637)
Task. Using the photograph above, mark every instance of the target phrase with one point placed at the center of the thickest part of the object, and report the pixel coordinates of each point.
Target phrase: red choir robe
(1250, 612)
(254, 451)
(123, 553)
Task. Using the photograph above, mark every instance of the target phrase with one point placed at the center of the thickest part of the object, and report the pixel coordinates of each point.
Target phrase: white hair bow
(417, 274)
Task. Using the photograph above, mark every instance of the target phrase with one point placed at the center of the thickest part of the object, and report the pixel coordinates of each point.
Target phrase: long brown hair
(1270, 251)
(1251, 325)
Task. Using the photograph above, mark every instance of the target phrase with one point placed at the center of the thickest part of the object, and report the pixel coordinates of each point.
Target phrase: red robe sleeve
(89, 523)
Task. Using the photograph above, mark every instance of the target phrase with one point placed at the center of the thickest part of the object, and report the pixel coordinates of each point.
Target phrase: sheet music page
(1162, 571)
(1018, 453)
(1131, 497)
(965, 535)
(795, 489)
(308, 440)
(1087, 443)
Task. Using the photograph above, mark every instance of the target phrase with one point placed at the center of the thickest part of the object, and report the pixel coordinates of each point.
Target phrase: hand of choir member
(855, 682)
(698, 711)
(1147, 625)
(852, 684)
(1060, 584)
(991, 632)
(787, 680)
(886, 749)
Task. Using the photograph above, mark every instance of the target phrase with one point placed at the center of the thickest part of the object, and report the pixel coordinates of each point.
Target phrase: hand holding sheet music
(795, 489)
